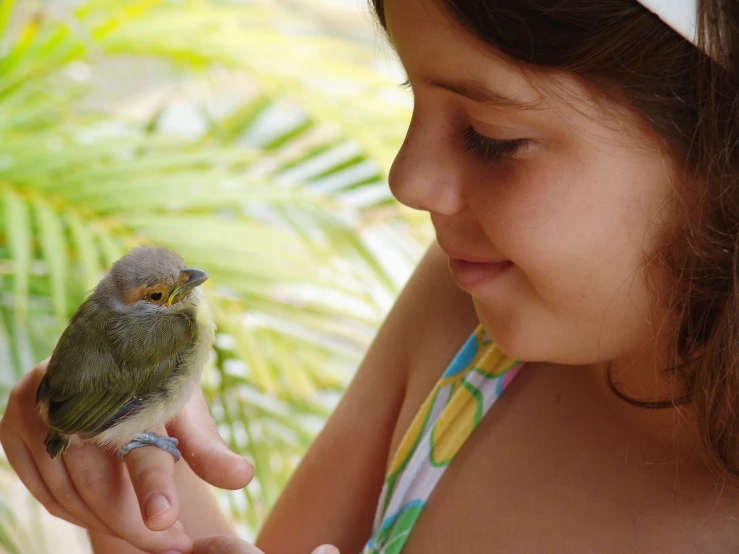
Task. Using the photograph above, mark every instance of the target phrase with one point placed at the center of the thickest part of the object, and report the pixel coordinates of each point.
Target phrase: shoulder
(431, 299)
(333, 495)
(430, 317)
(437, 318)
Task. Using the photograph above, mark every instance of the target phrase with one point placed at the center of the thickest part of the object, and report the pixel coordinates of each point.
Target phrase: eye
(156, 296)
(489, 149)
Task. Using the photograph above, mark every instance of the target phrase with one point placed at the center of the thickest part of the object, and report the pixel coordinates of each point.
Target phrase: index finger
(152, 475)
(106, 486)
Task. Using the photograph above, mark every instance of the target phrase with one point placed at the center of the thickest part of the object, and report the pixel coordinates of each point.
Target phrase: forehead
(147, 266)
(433, 44)
(435, 48)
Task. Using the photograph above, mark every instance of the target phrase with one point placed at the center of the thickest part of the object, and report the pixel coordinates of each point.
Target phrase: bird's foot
(151, 439)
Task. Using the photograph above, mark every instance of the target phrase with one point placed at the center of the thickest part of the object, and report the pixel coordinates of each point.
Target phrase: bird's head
(156, 277)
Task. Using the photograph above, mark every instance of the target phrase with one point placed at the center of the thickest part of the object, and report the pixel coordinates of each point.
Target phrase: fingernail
(156, 505)
(172, 552)
(326, 549)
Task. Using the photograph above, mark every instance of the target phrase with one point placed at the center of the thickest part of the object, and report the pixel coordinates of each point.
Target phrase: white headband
(681, 15)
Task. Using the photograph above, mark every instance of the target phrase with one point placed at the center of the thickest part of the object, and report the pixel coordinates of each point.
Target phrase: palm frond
(280, 196)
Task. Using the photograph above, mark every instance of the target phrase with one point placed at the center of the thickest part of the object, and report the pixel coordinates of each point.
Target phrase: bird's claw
(151, 439)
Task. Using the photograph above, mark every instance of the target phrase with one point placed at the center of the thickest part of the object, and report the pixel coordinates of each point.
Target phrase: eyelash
(489, 149)
(485, 148)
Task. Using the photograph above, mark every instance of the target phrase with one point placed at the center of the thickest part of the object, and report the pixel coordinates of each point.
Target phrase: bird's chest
(163, 403)
(185, 377)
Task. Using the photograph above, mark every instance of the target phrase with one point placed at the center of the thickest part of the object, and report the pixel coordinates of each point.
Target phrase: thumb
(204, 449)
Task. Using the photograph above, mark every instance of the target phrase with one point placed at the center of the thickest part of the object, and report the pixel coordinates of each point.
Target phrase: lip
(471, 258)
(475, 259)
(473, 275)
(471, 271)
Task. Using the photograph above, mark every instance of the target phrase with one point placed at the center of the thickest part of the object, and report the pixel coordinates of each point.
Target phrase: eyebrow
(478, 92)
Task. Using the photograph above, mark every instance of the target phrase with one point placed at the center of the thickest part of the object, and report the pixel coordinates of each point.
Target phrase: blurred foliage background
(252, 137)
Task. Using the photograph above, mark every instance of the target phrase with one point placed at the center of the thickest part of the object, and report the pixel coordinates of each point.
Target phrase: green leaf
(18, 229)
(272, 209)
(7, 375)
(83, 243)
(6, 542)
(6, 11)
(109, 246)
(54, 249)
(240, 121)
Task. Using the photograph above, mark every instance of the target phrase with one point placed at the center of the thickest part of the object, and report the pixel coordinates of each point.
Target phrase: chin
(523, 352)
(504, 333)
(523, 341)
(530, 344)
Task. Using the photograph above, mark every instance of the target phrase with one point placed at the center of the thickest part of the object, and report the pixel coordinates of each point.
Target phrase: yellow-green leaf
(54, 250)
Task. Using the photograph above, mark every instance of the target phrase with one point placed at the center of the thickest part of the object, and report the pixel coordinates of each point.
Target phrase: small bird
(130, 357)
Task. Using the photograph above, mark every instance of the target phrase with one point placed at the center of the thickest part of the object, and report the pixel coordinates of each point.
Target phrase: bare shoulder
(433, 317)
(333, 494)
(444, 317)
(440, 307)
(699, 512)
(712, 518)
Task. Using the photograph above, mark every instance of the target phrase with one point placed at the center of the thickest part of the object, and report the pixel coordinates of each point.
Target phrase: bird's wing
(94, 407)
(95, 378)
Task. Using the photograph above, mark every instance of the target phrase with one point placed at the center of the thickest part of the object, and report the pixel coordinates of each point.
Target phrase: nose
(425, 174)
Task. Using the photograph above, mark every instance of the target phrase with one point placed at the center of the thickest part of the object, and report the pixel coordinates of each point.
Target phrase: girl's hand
(222, 544)
(136, 501)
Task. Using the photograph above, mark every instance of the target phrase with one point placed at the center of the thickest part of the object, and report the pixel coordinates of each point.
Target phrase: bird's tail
(56, 443)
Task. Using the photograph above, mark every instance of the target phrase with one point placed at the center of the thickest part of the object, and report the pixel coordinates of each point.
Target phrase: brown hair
(691, 101)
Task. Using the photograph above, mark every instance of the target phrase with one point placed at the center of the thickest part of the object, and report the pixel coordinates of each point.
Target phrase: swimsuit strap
(471, 384)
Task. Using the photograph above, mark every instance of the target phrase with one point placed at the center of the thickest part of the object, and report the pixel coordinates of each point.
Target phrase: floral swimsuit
(471, 384)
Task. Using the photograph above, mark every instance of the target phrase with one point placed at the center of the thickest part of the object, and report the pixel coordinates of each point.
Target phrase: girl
(579, 162)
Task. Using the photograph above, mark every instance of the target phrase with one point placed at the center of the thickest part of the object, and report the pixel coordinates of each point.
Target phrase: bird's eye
(156, 296)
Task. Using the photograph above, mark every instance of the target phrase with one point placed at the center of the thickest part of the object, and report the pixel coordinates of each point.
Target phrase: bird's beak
(190, 278)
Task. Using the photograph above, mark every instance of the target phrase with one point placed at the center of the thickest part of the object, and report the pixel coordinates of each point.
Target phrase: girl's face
(546, 200)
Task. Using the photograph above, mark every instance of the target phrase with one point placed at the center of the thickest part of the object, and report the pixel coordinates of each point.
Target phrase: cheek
(579, 235)
(574, 216)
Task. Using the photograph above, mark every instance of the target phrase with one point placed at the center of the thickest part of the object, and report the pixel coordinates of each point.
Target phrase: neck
(642, 392)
